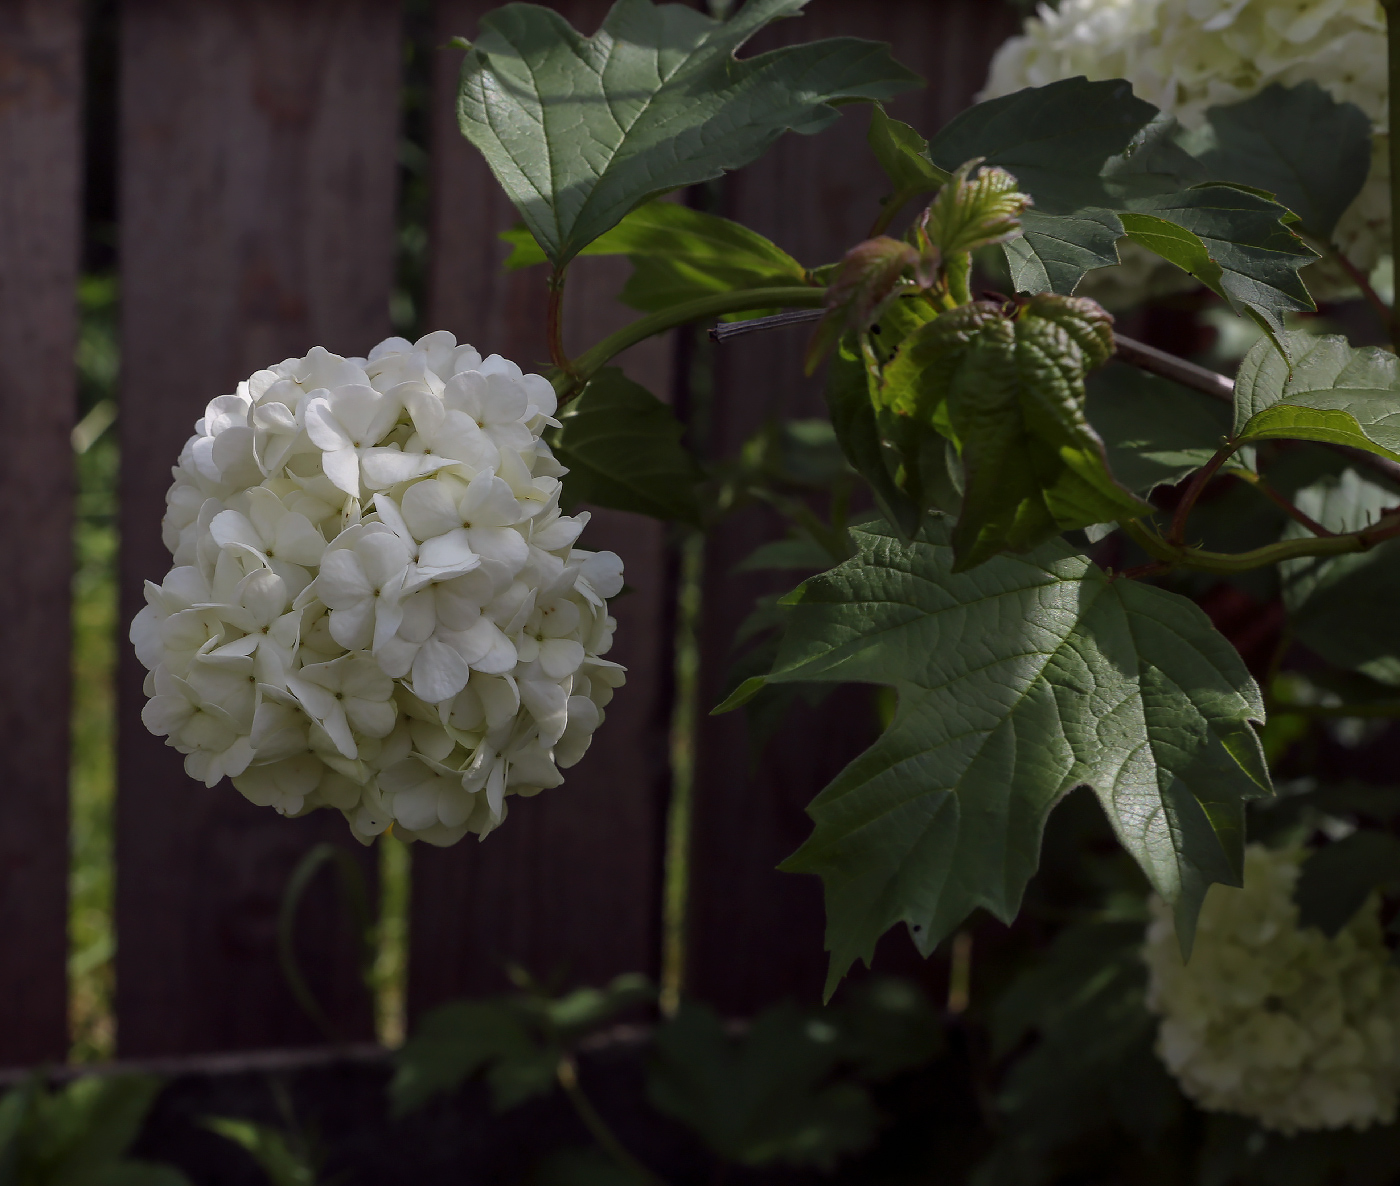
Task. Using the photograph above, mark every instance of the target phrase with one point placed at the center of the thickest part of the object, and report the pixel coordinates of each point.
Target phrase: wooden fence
(257, 148)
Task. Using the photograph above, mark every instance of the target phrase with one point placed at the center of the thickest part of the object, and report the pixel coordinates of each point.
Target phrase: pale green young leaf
(580, 130)
(1297, 143)
(1017, 681)
(623, 450)
(678, 254)
(903, 154)
(1333, 392)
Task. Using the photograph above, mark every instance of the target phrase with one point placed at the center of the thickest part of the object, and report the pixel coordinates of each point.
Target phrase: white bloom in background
(1274, 1021)
(376, 604)
(1186, 56)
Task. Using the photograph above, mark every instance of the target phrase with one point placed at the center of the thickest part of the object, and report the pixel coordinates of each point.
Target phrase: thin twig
(1363, 282)
(1199, 480)
(728, 330)
(567, 1074)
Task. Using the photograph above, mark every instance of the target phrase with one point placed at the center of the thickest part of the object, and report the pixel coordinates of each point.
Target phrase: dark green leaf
(887, 1025)
(1298, 143)
(1336, 880)
(678, 254)
(785, 553)
(454, 1042)
(623, 449)
(1017, 682)
(587, 1008)
(584, 1167)
(133, 1172)
(1332, 392)
(1343, 607)
(1156, 432)
(765, 1097)
(580, 130)
(1055, 140)
(1093, 1065)
(283, 1165)
(1089, 152)
(1054, 251)
(1233, 242)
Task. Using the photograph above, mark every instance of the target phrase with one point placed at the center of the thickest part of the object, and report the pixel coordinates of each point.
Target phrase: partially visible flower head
(1186, 56)
(376, 604)
(1274, 1021)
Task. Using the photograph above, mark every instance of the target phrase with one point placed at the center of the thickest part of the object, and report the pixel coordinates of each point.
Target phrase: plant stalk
(567, 382)
(1298, 516)
(567, 1074)
(1180, 556)
(554, 322)
(1392, 38)
(1199, 480)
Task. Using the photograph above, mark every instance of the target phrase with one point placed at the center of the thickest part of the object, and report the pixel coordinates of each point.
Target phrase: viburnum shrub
(378, 602)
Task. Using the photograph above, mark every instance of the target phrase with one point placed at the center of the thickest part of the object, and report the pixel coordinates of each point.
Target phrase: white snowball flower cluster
(1185, 56)
(376, 604)
(1274, 1021)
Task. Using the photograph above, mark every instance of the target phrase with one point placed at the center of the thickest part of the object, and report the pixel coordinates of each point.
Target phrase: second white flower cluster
(376, 603)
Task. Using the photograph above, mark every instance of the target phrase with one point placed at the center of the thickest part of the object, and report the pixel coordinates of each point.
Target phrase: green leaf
(623, 449)
(887, 1025)
(1054, 252)
(587, 1008)
(283, 1165)
(1333, 392)
(454, 1042)
(1336, 880)
(1055, 140)
(580, 130)
(1017, 682)
(1155, 432)
(765, 1097)
(584, 1167)
(1093, 1065)
(903, 154)
(1090, 154)
(1013, 390)
(678, 254)
(1233, 242)
(1297, 143)
(1343, 607)
(82, 1131)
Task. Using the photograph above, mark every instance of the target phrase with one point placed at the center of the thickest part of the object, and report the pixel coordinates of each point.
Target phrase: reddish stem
(1138, 571)
(1291, 511)
(1363, 282)
(1177, 534)
(554, 322)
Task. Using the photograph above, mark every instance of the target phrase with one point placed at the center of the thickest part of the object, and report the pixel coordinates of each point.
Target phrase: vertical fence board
(756, 933)
(258, 148)
(40, 129)
(570, 884)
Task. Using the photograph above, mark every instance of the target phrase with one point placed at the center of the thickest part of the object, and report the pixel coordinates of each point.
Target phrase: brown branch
(1199, 480)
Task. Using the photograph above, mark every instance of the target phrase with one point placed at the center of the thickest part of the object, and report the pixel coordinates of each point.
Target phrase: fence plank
(258, 148)
(756, 933)
(40, 129)
(570, 884)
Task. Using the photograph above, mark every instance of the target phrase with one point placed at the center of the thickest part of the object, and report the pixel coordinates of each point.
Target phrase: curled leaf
(867, 279)
(975, 210)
